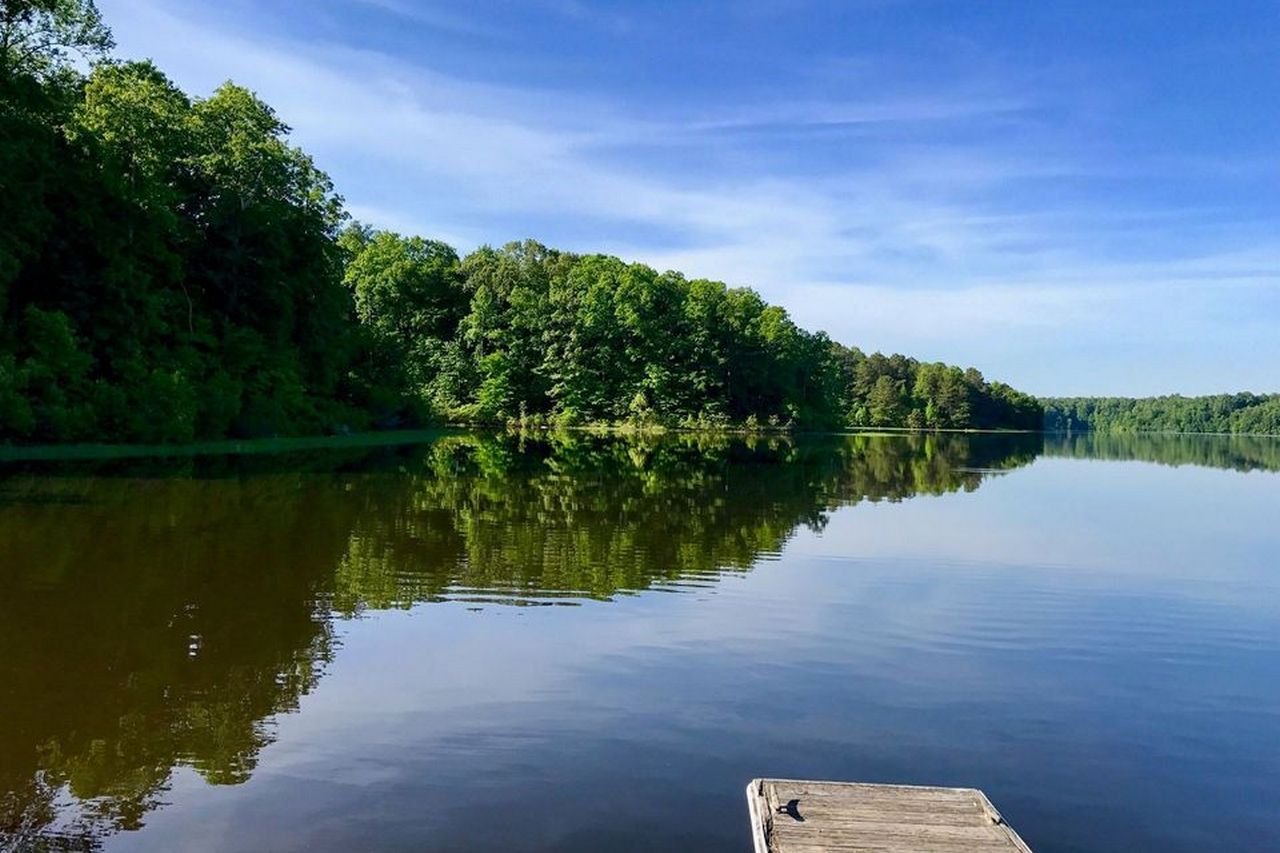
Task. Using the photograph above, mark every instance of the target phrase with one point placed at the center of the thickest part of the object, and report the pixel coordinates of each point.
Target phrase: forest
(173, 269)
(1241, 414)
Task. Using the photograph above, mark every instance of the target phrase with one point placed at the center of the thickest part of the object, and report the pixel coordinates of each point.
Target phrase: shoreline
(391, 438)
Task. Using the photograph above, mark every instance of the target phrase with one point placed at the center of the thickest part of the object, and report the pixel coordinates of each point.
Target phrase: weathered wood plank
(800, 816)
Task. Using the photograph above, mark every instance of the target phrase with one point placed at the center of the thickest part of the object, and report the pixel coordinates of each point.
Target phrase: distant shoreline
(392, 438)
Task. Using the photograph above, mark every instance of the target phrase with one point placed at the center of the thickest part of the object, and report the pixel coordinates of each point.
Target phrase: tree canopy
(173, 268)
(1243, 414)
(38, 36)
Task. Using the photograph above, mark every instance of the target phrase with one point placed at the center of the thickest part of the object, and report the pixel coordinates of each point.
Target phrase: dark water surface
(591, 644)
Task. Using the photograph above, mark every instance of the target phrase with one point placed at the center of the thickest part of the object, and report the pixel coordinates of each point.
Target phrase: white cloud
(950, 222)
(436, 17)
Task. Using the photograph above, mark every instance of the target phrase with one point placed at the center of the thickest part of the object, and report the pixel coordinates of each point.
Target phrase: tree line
(527, 333)
(173, 269)
(1240, 414)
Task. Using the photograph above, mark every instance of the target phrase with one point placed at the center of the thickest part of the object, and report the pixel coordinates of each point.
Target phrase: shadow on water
(158, 613)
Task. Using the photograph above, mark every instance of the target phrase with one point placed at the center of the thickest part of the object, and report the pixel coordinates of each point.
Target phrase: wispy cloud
(437, 17)
(945, 220)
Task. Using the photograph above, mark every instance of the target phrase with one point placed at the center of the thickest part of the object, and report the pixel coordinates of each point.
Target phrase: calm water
(586, 644)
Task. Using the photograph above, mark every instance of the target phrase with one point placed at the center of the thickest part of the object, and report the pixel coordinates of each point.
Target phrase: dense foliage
(1243, 414)
(527, 333)
(168, 267)
(899, 391)
(173, 269)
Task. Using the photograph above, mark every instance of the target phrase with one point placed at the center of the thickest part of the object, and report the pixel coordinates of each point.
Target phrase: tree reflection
(158, 620)
(530, 520)
(1233, 452)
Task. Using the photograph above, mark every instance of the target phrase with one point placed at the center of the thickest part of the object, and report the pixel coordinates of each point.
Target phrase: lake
(584, 643)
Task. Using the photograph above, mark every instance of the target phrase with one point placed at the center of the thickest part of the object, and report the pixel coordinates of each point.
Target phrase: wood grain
(855, 816)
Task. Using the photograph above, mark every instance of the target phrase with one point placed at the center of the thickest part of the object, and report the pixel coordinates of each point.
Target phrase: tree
(408, 293)
(511, 312)
(884, 403)
(141, 122)
(174, 268)
(407, 289)
(37, 36)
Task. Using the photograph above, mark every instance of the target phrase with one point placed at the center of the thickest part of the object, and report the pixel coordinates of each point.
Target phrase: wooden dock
(791, 816)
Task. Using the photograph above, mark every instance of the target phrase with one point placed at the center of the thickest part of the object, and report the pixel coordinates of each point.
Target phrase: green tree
(174, 268)
(884, 403)
(37, 36)
(408, 292)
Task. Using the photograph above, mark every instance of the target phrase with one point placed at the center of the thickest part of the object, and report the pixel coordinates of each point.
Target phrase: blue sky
(1076, 197)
